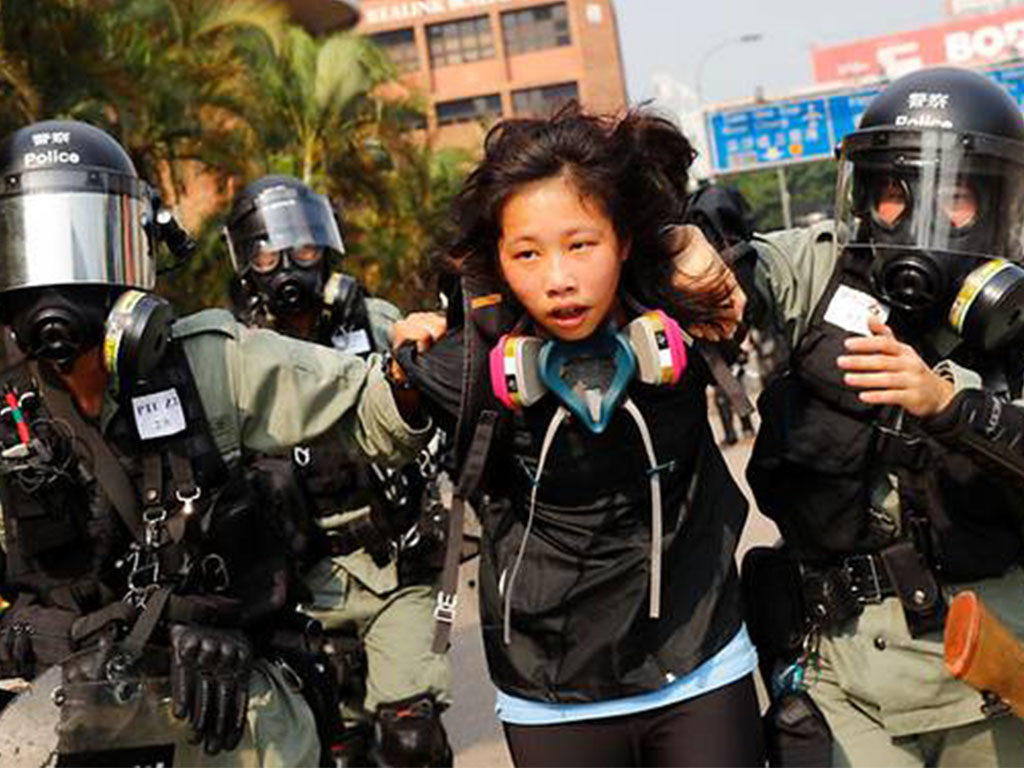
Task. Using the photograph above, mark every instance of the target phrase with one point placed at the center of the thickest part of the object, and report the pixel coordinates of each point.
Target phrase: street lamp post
(751, 37)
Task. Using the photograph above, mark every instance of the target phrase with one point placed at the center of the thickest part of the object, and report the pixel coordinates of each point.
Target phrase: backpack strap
(470, 477)
(487, 317)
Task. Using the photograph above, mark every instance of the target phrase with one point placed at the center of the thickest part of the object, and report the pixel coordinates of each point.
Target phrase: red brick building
(475, 61)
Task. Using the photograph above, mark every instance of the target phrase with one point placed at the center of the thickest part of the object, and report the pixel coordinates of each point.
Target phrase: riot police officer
(891, 453)
(131, 521)
(384, 527)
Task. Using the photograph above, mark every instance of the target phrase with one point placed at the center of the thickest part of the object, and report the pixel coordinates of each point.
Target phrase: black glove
(34, 637)
(210, 671)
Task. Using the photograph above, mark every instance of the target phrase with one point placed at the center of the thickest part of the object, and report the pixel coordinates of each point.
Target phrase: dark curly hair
(635, 166)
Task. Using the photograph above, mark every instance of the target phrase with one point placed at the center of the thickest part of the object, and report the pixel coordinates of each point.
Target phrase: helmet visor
(932, 192)
(60, 237)
(283, 218)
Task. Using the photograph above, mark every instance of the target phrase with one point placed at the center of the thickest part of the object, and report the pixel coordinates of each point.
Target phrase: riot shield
(108, 705)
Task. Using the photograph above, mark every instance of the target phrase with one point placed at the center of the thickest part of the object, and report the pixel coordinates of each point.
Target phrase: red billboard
(968, 42)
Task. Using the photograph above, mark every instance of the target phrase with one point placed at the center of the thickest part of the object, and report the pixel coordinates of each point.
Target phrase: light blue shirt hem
(735, 661)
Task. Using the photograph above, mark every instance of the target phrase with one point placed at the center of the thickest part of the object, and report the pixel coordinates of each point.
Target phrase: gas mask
(57, 324)
(589, 377)
(279, 233)
(943, 225)
(290, 280)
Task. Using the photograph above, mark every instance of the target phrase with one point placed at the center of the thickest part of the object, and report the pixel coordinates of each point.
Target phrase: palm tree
(394, 243)
(321, 108)
(160, 75)
(171, 77)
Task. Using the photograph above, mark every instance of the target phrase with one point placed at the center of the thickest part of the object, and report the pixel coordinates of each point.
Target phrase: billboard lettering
(971, 41)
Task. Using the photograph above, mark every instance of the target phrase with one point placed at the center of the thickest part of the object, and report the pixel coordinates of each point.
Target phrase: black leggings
(720, 728)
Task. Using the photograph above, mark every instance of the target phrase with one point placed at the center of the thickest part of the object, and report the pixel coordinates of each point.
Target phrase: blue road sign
(1012, 79)
(845, 110)
(798, 130)
(770, 133)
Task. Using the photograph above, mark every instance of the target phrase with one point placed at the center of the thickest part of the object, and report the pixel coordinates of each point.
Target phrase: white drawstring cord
(656, 518)
(656, 522)
(549, 438)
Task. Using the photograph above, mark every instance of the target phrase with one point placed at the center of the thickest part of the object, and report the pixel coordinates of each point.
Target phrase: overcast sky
(669, 37)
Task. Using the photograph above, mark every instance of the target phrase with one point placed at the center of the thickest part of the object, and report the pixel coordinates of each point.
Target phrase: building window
(457, 42)
(532, 29)
(469, 110)
(400, 46)
(543, 101)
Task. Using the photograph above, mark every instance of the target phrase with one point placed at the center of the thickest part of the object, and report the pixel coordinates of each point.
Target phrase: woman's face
(561, 257)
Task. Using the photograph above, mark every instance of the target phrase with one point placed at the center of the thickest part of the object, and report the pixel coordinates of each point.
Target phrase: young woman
(609, 599)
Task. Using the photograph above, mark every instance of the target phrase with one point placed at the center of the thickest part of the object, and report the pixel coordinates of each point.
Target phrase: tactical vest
(63, 537)
(820, 453)
(580, 625)
(150, 504)
(336, 482)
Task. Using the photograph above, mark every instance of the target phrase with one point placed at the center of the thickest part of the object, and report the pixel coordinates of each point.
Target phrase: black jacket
(579, 607)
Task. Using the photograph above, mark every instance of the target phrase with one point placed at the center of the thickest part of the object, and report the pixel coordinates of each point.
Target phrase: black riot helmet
(279, 234)
(933, 182)
(76, 230)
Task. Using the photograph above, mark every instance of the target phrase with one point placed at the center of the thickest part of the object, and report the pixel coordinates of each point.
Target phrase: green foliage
(207, 95)
(811, 190)
(150, 72)
(392, 243)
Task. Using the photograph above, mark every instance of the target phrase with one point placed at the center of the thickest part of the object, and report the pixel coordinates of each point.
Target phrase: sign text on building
(387, 13)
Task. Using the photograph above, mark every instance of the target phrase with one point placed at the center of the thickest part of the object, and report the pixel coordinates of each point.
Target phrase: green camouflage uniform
(395, 623)
(263, 392)
(888, 698)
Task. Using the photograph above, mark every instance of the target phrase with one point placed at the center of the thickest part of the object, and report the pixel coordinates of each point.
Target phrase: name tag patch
(850, 310)
(159, 414)
(354, 342)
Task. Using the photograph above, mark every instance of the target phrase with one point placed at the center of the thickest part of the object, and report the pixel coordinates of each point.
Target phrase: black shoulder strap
(470, 478)
(196, 443)
(725, 378)
(111, 476)
(486, 318)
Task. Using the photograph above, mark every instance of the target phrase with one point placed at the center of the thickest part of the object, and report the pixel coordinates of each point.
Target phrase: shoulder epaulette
(207, 321)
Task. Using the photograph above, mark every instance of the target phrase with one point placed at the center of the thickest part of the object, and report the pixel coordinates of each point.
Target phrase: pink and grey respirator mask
(590, 378)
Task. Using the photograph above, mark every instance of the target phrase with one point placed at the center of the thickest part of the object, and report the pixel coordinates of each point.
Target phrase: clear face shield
(935, 208)
(67, 227)
(936, 192)
(283, 222)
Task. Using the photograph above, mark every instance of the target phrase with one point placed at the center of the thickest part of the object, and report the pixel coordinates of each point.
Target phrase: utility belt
(836, 592)
(360, 532)
(419, 549)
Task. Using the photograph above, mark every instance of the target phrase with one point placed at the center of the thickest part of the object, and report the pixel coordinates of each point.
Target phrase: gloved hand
(210, 670)
(33, 637)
